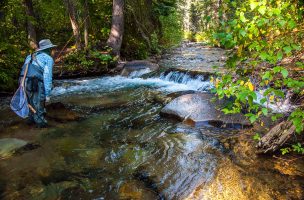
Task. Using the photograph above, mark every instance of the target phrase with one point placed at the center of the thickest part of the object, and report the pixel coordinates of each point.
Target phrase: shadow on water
(111, 143)
(2, 187)
(122, 150)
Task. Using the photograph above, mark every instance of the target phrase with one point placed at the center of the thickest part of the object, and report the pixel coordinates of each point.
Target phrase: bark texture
(31, 31)
(276, 137)
(142, 30)
(117, 28)
(70, 6)
(86, 24)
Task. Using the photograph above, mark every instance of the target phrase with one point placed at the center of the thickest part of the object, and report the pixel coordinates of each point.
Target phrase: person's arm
(47, 76)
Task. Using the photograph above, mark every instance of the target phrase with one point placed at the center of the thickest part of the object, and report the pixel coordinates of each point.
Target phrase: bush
(87, 61)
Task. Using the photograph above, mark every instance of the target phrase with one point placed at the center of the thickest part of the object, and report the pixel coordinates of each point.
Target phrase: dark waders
(36, 98)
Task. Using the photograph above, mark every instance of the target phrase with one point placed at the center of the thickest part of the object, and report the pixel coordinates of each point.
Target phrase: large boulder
(200, 110)
(8, 146)
(138, 67)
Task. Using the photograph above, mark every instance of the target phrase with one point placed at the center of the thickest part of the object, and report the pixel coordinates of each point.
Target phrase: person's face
(52, 52)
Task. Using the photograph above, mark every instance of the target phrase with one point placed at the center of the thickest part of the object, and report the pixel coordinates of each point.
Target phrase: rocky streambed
(144, 135)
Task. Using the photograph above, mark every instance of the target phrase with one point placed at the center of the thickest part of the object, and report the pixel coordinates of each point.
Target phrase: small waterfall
(278, 106)
(197, 82)
(168, 82)
(139, 73)
(180, 77)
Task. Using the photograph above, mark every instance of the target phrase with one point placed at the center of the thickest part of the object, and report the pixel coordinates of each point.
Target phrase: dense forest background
(84, 27)
(265, 38)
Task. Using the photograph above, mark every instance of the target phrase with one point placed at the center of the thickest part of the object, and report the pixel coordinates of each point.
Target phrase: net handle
(23, 81)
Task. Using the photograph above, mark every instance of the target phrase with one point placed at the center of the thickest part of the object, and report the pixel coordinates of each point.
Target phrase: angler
(38, 81)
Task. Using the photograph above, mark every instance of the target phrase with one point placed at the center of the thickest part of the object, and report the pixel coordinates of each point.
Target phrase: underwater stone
(136, 191)
(59, 112)
(8, 146)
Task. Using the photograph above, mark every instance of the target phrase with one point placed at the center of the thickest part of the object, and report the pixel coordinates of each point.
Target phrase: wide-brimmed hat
(45, 44)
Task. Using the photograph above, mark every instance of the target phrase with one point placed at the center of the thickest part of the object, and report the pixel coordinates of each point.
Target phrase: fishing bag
(19, 103)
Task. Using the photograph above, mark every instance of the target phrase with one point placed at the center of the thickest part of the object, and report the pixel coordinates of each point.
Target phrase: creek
(107, 140)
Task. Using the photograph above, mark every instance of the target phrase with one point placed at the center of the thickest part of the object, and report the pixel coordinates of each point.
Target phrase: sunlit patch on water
(120, 148)
(125, 150)
(170, 82)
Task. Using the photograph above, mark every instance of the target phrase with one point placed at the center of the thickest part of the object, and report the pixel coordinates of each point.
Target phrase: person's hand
(47, 99)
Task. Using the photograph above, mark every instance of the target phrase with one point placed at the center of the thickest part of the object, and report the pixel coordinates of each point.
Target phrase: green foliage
(205, 18)
(84, 61)
(297, 118)
(134, 48)
(171, 30)
(263, 34)
(52, 21)
(10, 64)
(164, 7)
(257, 137)
(297, 148)
(285, 150)
(155, 48)
(147, 26)
(13, 43)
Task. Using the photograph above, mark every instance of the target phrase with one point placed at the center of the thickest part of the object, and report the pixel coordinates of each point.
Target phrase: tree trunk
(31, 32)
(117, 29)
(141, 30)
(276, 137)
(186, 19)
(219, 14)
(86, 24)
(70, 6)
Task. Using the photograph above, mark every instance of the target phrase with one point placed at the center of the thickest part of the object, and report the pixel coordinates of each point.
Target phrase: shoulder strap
(25, 72)
(35, 59)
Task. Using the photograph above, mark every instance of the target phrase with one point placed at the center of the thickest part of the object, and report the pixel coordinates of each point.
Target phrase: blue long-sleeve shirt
(44, 63)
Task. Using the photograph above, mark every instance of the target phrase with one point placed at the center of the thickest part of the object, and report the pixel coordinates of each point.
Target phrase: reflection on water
(118, 147)
(121, 150)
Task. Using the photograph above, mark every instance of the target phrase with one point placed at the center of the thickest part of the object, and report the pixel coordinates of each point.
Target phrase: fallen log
(276, 137)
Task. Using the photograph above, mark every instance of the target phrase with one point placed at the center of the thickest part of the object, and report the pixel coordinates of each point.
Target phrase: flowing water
(106, 140)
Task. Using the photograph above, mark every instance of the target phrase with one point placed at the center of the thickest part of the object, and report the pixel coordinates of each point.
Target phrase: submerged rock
(8, 146)
(158, 97)
(200, 110)
(130, 68)
(179, 164)
(180, 93)
(97, 102)
(53, 190)
(136, 191)
(59, 112)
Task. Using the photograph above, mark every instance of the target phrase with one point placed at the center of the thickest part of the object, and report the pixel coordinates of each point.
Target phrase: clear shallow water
(120, 148)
